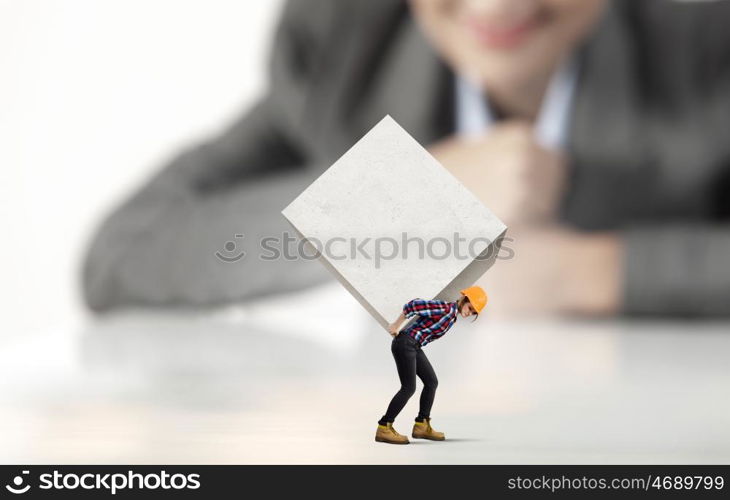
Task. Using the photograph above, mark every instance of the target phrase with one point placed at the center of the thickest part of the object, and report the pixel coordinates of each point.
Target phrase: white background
(94, 96)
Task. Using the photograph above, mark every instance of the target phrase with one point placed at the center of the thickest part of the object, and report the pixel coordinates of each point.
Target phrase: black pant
(411, 361)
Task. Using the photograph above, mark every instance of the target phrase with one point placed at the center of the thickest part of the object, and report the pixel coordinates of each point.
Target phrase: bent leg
(405, 361)
(425, 372)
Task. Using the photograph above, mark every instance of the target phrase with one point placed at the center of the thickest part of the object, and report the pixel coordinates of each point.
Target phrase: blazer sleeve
(159, 247)
(680, 270)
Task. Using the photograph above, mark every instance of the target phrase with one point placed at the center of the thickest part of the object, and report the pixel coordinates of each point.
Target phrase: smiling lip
(501, 37)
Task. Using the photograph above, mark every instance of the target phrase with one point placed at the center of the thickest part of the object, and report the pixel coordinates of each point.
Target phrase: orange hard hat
(477, 296)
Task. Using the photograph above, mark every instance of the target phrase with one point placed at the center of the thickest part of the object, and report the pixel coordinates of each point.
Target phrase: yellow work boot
(423, 430)
(386, 434)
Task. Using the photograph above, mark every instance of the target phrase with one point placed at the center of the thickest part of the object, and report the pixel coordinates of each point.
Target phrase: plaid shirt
(435, 317)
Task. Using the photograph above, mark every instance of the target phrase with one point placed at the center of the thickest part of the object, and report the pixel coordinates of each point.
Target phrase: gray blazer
(649, 146)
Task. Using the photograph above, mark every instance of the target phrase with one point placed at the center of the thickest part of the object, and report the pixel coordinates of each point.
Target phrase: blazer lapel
(415, 87)
(608, 175)
(397, 73)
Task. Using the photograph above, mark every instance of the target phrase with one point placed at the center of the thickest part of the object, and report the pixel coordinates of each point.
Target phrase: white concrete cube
(392, 224)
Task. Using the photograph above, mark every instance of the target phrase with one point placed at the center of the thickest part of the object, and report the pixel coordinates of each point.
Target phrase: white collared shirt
(474, 116)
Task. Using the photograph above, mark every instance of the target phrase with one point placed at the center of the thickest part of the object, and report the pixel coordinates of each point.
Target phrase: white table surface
(252, 386)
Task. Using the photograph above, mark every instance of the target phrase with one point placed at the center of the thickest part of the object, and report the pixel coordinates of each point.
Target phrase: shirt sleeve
(423, 307)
